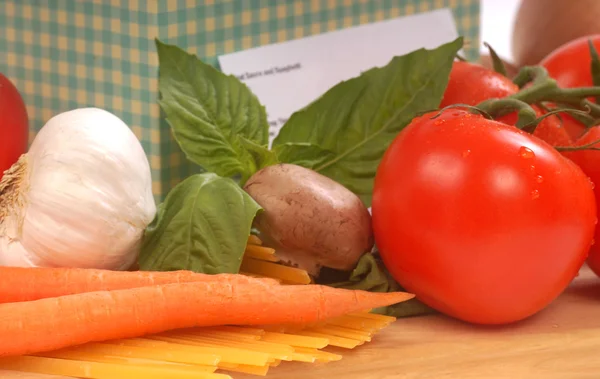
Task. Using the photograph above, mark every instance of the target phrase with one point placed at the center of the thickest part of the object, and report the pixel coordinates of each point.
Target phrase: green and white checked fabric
(65, 54)
(68, 54)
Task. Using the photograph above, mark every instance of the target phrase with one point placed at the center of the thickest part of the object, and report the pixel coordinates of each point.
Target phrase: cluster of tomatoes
(480, 219)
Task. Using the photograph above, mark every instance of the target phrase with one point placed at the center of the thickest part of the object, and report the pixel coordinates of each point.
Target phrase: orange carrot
(25, 284)
(54, 323)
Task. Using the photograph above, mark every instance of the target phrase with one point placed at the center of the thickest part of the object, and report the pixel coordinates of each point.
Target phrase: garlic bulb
(80, 197)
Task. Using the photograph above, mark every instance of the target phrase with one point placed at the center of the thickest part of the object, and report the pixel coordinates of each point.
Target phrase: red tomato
(570, 64)
(14, 125)
(589, 162)
(480, 220)
(550, 129)
(573, 127)
(471, 83)
(593, 262)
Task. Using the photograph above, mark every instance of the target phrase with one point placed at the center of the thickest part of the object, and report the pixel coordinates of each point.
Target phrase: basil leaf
(210, 113)
(357, 119)
(261, 154)
(303, 154)
(203, 226)
(370, 275)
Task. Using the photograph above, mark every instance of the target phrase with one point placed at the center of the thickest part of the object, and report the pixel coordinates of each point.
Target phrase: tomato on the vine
(550, 129)
(570, 64)
(589, 161)
(573, 127)
(471, 84)
(14, 125)
(593, 262)
(480, 220)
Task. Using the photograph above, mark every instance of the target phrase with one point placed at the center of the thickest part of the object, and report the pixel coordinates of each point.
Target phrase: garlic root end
(13, 185)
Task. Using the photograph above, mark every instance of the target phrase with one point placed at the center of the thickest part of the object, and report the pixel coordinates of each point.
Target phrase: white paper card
(289, 75)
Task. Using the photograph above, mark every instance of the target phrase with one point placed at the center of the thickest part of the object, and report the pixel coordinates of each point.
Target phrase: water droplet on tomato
(593, 242)
(592, 185)
(535, 194)
(466, 153)
(438, 122)
(532, 167)
(539, 179)
(526, 152)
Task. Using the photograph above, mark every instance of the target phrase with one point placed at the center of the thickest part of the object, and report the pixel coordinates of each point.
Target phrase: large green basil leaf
(203, 225)
(210, 113)
(303, 154)
(357, 119)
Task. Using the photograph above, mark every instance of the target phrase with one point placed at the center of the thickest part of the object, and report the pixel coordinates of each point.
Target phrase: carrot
(54, 323)
(25, 284)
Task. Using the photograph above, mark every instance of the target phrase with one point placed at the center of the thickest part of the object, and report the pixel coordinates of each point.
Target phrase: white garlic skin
(87, 196)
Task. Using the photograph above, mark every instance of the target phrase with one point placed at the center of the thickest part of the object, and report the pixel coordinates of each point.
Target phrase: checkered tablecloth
(65, 54)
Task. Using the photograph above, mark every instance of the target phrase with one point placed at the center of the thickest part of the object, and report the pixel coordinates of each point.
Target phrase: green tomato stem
(526, 74)
(500, 107)
(594, 66)
(594, 109)
(575, 113)
(470, 108)
(587, 146)
(542, 89)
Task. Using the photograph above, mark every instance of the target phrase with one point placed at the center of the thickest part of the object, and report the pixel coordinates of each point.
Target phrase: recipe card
(288, 76)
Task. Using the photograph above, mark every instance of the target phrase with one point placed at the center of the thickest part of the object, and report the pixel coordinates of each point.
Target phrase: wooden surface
(562, 341)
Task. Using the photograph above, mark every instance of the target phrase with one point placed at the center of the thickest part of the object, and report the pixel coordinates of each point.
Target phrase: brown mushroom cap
(310, 219)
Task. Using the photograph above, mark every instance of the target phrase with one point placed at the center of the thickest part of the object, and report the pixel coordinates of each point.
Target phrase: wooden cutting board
(563, 341)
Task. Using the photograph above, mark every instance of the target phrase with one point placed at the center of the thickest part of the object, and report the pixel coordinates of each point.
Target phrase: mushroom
(311, 220)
